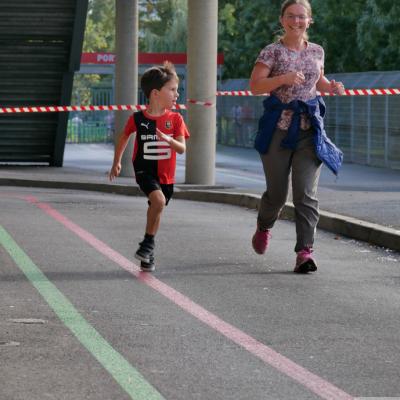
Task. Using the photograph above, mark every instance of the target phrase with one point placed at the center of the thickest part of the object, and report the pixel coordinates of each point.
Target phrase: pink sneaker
(304, 261)
(260, 241)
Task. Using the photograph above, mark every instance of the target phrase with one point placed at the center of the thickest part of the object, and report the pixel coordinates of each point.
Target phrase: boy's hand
(163, 136)
(115, 171)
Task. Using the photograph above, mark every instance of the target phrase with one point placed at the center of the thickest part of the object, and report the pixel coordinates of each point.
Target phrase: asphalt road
(215, 321)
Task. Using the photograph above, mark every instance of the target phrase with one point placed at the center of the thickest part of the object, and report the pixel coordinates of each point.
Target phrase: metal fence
(366, 128)
(98, 126)
(93, 127)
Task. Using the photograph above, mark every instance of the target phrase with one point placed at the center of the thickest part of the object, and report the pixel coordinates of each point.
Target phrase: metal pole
(386, 157)
(369, 130)
(126, 70)
(352, 129)
(202, 85)
(337, 116)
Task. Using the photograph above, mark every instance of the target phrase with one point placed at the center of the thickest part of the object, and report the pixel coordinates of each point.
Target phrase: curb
(89, 186)
(123, 189)
(341, 225)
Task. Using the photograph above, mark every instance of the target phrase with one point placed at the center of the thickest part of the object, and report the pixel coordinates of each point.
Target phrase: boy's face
(168, 94)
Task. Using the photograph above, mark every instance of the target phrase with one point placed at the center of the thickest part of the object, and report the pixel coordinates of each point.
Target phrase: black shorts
(149, 183)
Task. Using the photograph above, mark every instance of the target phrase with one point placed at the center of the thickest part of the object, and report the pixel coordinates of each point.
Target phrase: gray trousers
(305, 169)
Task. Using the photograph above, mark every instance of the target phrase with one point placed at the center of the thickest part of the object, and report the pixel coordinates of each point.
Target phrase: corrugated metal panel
(36, 38)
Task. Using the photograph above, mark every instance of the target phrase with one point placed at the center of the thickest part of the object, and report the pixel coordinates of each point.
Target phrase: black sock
(149, 238)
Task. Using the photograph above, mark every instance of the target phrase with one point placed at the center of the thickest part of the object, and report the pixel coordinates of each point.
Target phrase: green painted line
(119, 368)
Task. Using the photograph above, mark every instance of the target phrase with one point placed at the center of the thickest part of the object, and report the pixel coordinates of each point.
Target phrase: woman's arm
(261, 83)
(325, 85)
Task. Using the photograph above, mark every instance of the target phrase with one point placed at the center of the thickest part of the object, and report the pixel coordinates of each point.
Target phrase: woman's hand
(336, 87)
(294, 78)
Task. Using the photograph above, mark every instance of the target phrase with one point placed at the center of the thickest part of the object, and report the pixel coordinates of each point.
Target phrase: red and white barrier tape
(367, 92)
(46, 109)
(236, 93)
(200, 103)
(347, 92)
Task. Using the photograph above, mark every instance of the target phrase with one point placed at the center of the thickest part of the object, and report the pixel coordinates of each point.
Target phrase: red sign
(98, 58)
(144, 58)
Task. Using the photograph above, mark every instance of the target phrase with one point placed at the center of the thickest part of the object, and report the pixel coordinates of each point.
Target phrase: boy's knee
(157, 201)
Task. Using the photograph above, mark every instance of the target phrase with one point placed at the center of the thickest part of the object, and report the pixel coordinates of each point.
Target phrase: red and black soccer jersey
(150, 155)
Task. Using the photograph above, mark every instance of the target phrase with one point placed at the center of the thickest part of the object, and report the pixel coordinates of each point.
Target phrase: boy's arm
(119, 150)
(178, 143)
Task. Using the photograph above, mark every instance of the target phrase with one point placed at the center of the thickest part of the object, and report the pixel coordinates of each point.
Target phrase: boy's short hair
(156, 77)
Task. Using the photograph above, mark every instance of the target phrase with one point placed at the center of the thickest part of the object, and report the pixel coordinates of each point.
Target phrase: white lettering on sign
(106, 57)
(153, 151)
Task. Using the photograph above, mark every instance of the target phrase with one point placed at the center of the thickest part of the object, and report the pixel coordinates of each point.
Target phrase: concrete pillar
(202, 85)
(126, 70)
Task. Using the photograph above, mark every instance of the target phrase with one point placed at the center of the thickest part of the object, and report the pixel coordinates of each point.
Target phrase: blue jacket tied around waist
(325, 150)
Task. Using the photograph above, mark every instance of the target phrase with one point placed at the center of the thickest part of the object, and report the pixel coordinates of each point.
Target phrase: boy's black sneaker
(148, 267)
(145, 251)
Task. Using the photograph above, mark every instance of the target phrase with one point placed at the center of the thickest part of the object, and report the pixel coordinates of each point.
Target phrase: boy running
(160, 134)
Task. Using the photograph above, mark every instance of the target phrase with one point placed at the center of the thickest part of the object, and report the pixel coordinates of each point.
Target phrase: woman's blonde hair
(305, 3)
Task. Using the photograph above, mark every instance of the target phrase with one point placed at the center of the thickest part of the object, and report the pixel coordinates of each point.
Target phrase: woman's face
(295, 20)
